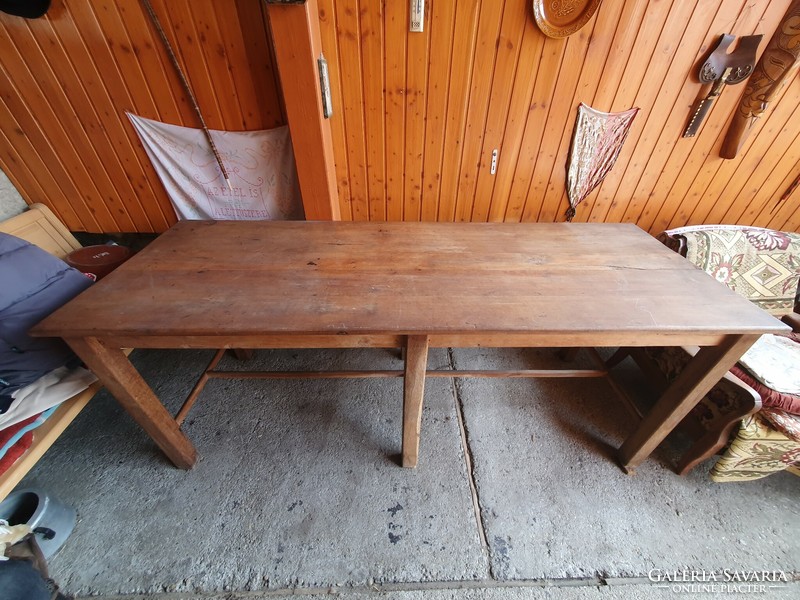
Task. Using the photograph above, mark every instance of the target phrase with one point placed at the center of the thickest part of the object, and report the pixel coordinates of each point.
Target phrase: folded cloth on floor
(49, 390)
(15, 440)
(775, 361)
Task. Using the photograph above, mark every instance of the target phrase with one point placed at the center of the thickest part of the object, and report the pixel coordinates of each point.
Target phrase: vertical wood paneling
(82, 86)
(416, 93)
(348, 35)
(509, 45)
(774, 210)
(741, 182)
(441, 53)
(109, 86)
(32, 170)
(561, 115)
(328, 31)
(253, 64)
(669, 156)
(487, 43)
(685, 164)
(47, 121)
(539, 109)
(416, 115)
(777, 212)
(527, 71)
(669, 72)
(182, 30)
(462, 56)
(494, 81)
(394, 61)
(622, 78)
(372, 64)
(586, 87)
(67, 79)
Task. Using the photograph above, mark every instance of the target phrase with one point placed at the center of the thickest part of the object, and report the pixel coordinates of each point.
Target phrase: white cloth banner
(260, 165)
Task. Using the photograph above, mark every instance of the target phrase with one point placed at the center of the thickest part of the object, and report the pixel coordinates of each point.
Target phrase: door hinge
(325, 87)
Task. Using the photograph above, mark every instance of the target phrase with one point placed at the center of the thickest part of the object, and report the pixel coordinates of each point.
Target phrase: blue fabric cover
(33, 283)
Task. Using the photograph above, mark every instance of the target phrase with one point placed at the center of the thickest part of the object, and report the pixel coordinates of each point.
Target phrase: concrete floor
(298, 491)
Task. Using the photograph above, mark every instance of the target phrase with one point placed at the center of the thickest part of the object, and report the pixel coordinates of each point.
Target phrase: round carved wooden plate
(560, 18)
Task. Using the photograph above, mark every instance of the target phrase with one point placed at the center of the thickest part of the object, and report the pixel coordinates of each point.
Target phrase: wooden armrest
(673, 241)
(734, 382)
(793, 320)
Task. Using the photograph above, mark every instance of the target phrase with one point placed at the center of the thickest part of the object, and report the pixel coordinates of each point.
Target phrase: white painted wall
(11, 203)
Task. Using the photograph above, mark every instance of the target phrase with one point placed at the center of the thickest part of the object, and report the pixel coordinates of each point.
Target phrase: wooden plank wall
(417, 115)
(67, 79)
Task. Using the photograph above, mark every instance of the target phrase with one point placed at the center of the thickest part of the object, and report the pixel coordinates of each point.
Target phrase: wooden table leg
(413, 391)
(117, 373)
(701, 374)
(242, 353)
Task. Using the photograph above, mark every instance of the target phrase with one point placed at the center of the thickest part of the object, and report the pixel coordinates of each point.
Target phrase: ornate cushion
(769, 398)
(775, 361)
(758, 451)
(772, 368)
(784, 422)
(763, 265)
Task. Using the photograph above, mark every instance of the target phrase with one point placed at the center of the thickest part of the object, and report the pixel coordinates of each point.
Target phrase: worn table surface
(242, 285)
(239, 278)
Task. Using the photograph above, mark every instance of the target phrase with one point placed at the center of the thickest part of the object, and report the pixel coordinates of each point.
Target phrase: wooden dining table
(257, 284)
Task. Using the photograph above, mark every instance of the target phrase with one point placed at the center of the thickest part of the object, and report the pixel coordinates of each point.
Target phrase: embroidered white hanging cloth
(260, 165)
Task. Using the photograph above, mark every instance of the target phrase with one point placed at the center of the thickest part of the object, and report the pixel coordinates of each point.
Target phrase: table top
(205, 278)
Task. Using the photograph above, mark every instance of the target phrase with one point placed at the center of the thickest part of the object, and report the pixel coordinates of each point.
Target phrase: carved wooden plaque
(778, 65)
(560, 18)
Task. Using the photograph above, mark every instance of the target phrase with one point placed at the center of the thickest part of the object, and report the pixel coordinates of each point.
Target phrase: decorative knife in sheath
(723, 69)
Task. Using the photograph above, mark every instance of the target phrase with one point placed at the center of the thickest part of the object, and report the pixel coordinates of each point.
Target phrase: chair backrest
(38, 225)
(763, 265)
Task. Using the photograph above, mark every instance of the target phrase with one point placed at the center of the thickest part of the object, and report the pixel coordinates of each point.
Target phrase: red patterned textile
(769, 398)
(18, 449)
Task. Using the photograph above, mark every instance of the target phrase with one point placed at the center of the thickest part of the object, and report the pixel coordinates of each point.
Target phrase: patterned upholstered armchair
(762, 265)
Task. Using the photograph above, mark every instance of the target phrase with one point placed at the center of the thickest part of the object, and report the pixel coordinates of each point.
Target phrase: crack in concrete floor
(641, 587)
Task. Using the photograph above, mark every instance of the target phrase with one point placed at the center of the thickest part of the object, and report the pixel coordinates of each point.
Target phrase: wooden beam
(296, 37)
(413, 393)
(122, 379)
(707, 367)
(445, 373)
